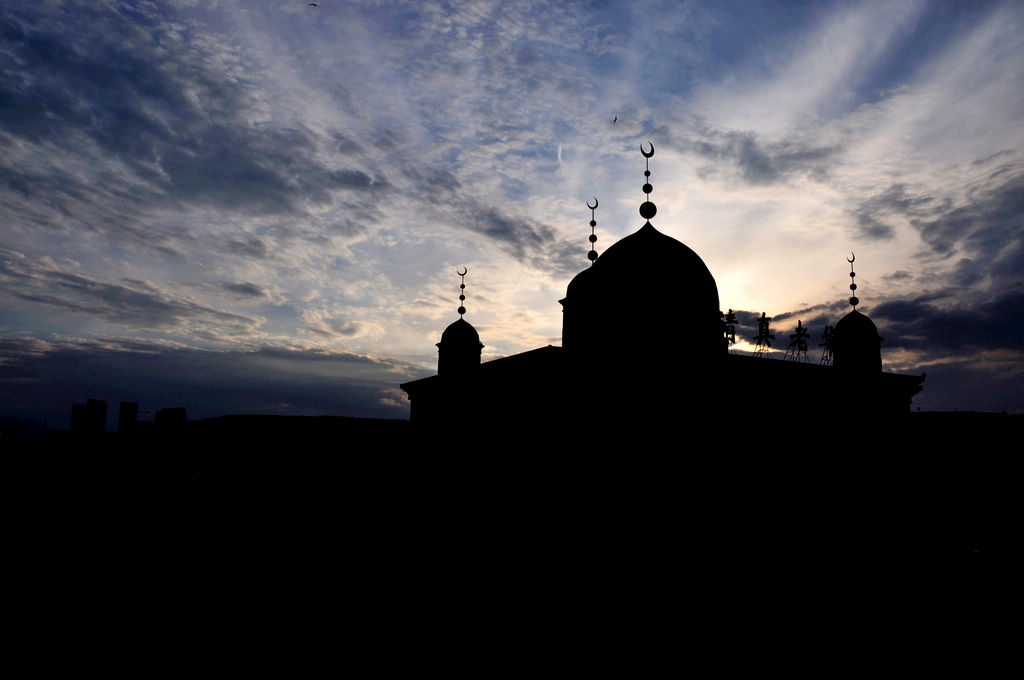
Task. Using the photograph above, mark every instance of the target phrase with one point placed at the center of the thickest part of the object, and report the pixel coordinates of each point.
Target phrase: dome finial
(647, 209)
(592, 255)
(853, 286)
(462, 290)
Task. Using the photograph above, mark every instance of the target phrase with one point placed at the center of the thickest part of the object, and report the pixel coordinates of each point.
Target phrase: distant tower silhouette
(90, 417)
(127, 416)
(764, 337)
(458, 353)
(797, 350)
(826, 353)
(856, 345)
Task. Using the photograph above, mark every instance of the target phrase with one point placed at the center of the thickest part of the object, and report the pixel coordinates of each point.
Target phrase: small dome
(458, 353)
(461, 332)
(856, 344)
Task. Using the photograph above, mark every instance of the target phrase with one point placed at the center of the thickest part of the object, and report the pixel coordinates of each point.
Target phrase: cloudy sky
(259, 207)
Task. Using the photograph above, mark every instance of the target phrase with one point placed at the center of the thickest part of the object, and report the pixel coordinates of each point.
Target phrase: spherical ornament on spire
(647, 209)
(592, 255)
(462, 290)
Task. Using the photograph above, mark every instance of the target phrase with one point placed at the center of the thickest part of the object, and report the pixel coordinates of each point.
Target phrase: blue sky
(259, 207)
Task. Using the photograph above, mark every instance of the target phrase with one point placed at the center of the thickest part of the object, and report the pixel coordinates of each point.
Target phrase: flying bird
(313, 4)
(615, 120)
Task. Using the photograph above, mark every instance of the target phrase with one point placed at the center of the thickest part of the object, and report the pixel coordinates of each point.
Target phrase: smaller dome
(461, 332)
(856, 344)
(855, 322)
(458, 353)
(579, 282)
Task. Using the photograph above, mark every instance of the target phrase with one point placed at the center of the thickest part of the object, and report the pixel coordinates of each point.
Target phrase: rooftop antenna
(853, 286)
(462, 289)
(647, 209)
(592, 255)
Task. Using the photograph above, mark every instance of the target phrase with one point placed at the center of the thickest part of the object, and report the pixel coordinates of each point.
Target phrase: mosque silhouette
(644, 342)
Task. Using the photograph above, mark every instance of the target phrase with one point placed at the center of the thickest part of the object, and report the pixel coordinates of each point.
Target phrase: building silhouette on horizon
(90, 417)
(645, 343)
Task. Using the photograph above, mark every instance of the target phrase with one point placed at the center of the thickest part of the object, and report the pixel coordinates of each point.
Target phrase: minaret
(458, 353)
(856, 345)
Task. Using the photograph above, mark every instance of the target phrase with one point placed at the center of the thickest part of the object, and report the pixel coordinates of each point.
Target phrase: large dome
(647, 256)
(647, 287)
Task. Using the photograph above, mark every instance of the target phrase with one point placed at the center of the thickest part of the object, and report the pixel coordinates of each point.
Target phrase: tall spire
(592, 255)
(462, 290)
(647, 209)
(853, 286)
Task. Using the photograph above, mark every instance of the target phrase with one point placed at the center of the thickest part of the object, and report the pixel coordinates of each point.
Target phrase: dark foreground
(369, 549)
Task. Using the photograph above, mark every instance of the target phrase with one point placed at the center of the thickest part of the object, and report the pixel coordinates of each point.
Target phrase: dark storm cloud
(988, 385)
(870, 228)
(245, 290)
(14, 349)
(871, 214)
(919, 324)
(997, 323)
(42, 380)
(989, 221)
(132, 303)
(91, 84)
(527, 240)
(251, 247)
(757, 162)
(895, 199)
(830, 311)
(987, 227)
(435, 185)
(335, 327)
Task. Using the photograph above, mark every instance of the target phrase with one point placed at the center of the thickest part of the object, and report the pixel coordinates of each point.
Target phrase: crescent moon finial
(647, 154)
(593, 207)
(851, 258)
(462, 273)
